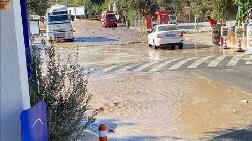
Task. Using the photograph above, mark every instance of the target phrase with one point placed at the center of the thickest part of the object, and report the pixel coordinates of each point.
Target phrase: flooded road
(121, 55)
(163, 95)
(168, 106)
(99, 46)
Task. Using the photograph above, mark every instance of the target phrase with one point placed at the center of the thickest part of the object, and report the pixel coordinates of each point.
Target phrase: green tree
(99, 2)
(38, 7)
(105, 5)
(197, 11)
(165, 4)
(143, 6)
(82, 2)
(178, 6)
(122, 7)
(63, 86)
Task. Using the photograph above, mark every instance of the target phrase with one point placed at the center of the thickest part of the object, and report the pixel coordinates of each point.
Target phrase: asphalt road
(240, 76)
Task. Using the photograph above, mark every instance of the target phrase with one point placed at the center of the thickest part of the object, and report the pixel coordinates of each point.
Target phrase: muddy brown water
(128, 54)
(163, 106)
(121, 46)
(166, 105)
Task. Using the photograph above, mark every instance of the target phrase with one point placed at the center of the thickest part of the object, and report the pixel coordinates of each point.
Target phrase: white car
(165, 35)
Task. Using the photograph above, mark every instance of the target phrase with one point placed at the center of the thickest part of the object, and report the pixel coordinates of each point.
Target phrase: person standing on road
(211, 21)
(215, 31)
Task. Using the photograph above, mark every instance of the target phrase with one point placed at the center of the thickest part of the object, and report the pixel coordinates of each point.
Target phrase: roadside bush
(63, 86)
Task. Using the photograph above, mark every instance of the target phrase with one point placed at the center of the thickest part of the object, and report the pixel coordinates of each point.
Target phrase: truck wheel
(70, 40)
(173, 47)
(181, 45)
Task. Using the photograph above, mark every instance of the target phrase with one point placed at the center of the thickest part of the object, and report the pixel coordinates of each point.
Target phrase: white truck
(59, 25)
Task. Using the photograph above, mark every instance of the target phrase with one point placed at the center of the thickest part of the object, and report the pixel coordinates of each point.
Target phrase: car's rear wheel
(181, 45)
(154, 45)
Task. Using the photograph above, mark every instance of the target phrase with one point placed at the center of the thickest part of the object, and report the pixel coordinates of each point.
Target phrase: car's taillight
(159, 35)
(181, 34)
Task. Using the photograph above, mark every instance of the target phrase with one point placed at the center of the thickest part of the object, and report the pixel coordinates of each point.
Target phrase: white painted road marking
(109, 68)
(181, 63)
(216, 61)
(89, 70)
(146, 66)
(248, 60)
(234, 61)
(162, 65)
(127, 67)
(199, 62)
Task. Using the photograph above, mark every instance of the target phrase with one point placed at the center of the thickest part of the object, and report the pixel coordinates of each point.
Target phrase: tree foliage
(63, 86)
(218, 9)
(196, 8)
(38, 7)
(143, 6)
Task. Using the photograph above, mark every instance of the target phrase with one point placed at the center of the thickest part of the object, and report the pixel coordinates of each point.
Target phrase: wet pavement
(168, 106)
(198, 93)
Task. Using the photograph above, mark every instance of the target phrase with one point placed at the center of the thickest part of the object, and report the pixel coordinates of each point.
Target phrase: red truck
(108, 19)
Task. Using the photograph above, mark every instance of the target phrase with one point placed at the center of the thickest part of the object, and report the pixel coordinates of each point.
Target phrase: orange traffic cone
(239, 46)
(225, 44)
(103, 133)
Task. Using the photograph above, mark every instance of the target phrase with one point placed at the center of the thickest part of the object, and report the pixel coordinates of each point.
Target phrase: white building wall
(14, 80)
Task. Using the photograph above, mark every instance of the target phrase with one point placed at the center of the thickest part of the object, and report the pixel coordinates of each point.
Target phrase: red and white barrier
(240, 46)
(103, 133)
(225, 43)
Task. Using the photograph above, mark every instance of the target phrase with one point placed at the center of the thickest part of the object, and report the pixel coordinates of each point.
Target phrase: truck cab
(59, 25)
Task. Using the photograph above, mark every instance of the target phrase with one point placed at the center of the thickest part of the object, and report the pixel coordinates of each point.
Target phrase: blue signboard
(34, 123)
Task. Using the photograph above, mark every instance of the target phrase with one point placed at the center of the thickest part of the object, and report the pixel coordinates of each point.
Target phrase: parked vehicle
(165, 35)
(59, 25)
(108, 19)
